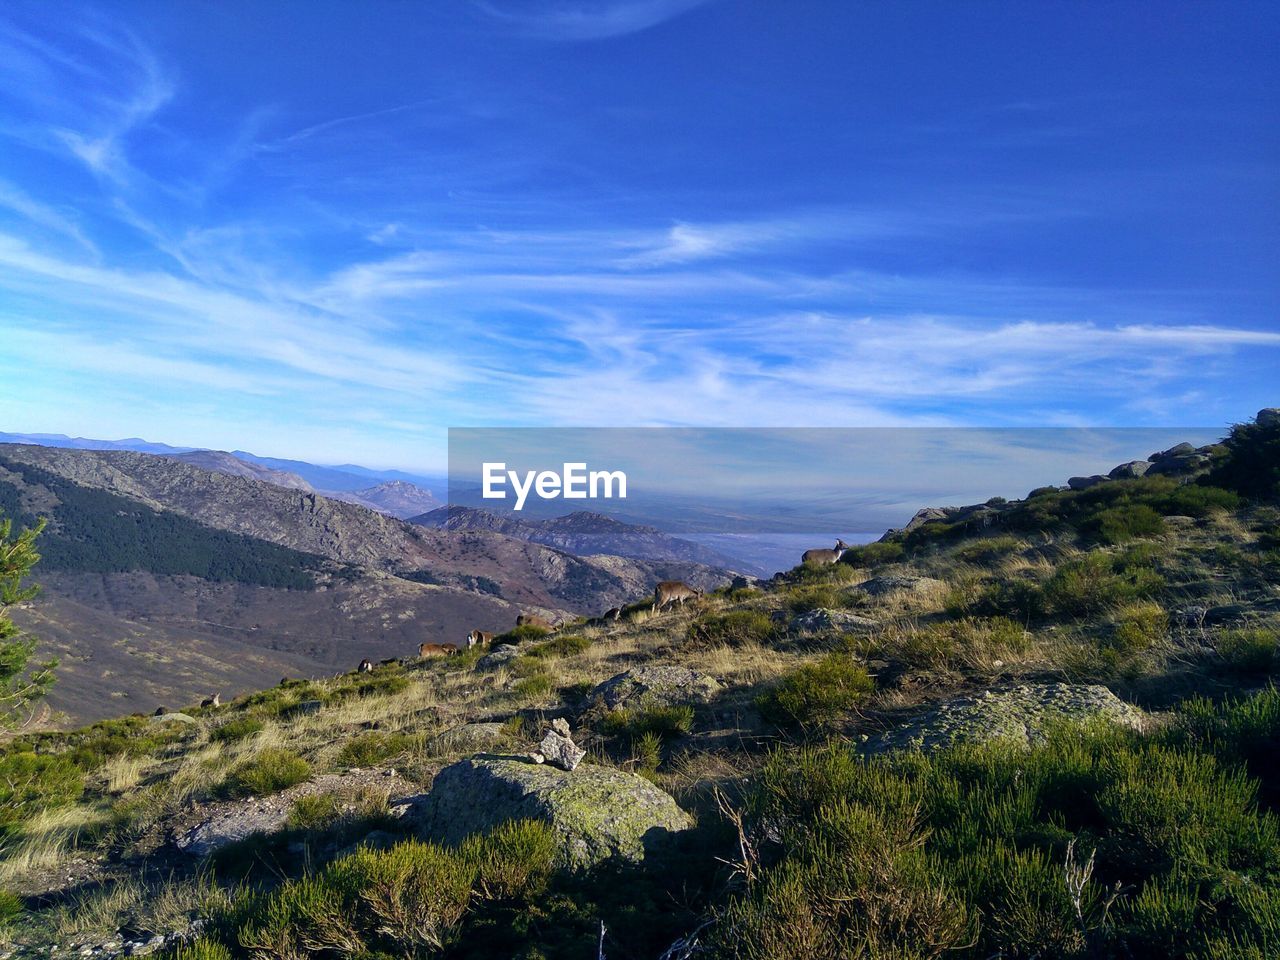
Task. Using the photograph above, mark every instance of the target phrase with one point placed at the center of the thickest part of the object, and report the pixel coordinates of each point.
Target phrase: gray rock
(557, 747)
(1130, 470)
(1019, 714)
(1178, 450)
(659, 685)
(499, 655)
(1084, 483)
(926, 515)
(823, 620)
(308, 707)
(596, 813)
(1268, 417)
(231, 825)
(880, 586)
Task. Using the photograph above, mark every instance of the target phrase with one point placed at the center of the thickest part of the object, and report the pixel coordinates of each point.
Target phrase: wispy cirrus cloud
(577, 20)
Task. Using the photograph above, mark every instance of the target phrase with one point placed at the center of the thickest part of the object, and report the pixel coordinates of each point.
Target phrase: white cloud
(577, 20)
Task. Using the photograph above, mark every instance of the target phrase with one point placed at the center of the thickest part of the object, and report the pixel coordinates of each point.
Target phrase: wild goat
(366, 666)
(533, 620)
(820, 557)
(673, 591)
(214, 701)
(478, 638)
(427, 650)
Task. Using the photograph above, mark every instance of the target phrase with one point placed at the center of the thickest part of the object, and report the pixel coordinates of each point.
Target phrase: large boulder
(502, 654)
(823, 620)
(1020, 714)
(468, 738)
(1130, 470)
(1084, 483)
(892, 583)
(596, 813)
(1268, 416)
(657, 685)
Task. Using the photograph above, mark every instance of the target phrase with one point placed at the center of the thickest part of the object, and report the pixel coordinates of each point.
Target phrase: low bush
(1124, 523)
(31, 782)
(874, 554)
(803, 599)
(411, 900)
(734, 628)
(236, 729)
(372, 748)
(1098, 581)
(268, 771)
(535, 685)
(522, 634)
(1248, 649)
(11, 907)
(973, 851)
(664, 721)
(968, 641)
(1137, 626)
(987, 550)
(817, 694)
(314, 812)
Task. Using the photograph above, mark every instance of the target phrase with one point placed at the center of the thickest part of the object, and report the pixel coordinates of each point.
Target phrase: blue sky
(333, 230)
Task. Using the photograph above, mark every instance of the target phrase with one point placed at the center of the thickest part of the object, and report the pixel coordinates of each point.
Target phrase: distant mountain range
(392, 492)
(171, 576)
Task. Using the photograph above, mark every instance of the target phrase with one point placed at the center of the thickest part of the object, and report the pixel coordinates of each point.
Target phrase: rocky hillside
(396, 498)
(148, 555)
(1048, 736)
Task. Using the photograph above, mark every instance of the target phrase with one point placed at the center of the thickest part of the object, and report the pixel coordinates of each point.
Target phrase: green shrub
(515, 860)
(11, 907)
(535, 685)
(874, 554)
(987, 549)
(268, 771)
(819, 693)
(734, 628)
(1124, 523)
(812, 597)
(1251, 464)
(1248, 649)
(237, 729)
(1098, 581)
(201, 949)
(1138, 626)
(31, 782)
(521, 634)
(902, 856)
(373, 748)
(314, 812)
(416, 892)
(664, 721)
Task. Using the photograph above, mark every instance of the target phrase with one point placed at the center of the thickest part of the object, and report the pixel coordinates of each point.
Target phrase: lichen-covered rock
(822, 620)
(658, 685)
(1019, 713)
(499, 655)
(879, 586)
(596, 813)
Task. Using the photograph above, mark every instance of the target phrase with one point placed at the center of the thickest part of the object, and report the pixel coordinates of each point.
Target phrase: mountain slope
(396, 498)
(583, 533)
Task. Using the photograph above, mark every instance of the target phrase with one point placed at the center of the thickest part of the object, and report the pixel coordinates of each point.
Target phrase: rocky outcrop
(658, 685)
(467, 738)
(596, 813)
(1019, 714)
(503, 653)
(823, 620)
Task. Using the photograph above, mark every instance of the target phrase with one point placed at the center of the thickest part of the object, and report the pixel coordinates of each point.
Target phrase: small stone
(558, 747)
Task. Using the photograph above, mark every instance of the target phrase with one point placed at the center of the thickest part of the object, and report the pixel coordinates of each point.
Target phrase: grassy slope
(962, 855)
